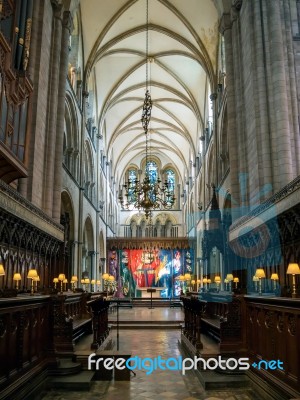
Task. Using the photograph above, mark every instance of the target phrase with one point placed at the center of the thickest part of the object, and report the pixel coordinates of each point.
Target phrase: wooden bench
(72, 320)
(220, 318)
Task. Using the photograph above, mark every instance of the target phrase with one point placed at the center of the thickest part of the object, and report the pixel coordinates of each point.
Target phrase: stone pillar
(50, 145)
(63, 70)
(213, 98)
(280, 135)
(226, 30)
(292, 88)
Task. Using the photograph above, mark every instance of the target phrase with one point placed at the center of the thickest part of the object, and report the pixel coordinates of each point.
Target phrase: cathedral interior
(149, 198)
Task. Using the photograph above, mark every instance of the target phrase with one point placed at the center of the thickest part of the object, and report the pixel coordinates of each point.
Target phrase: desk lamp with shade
(61, 278)
(260, 274)
(236, 281)
(74, 279)
(293, 269)
(32, 273)
(274, 278)
(55, 281)
(17, 277)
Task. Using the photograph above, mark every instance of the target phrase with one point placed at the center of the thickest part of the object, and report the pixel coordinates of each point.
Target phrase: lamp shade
(61, 277)
(255, 278)
(187, 277)
(208, 280)
(275, 277)
(293, 269)
(32, 273)
(193, 281)
(17, 277)
(74, 278)
(198, 281)
(105, 276)
(229, 277)
(93, 281)
(181, 278)
(65, 281)
(2, 271)
(86, 280)
(36, 279)
(82, 281)
(98, 282)
(111, 278)
(226, 280)
(260, 273)
(236, 280)
(55, 280)
(217, 278)
(205, 280)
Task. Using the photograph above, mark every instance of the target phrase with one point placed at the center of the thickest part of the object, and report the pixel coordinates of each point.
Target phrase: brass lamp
(65, 281)
(61, 278)
(260, 274)
(187, 278)
(55, 281)
(229, 277)
(218, 281)
(293, 269)
(74, 279)
(226, 281)
(236, 281)
(17, 277)
(93, 283)
(274, 278)
(32, 273)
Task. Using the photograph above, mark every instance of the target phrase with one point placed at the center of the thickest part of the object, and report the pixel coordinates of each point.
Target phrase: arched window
(170, 178)
(132, 179)
(151, 168)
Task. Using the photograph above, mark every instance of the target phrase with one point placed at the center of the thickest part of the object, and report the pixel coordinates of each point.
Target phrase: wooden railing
(26, 348)
(273, 327)
(99, 308)
(71, 320)
(219, 316)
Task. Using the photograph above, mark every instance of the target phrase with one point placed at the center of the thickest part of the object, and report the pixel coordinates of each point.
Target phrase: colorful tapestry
(134, 269)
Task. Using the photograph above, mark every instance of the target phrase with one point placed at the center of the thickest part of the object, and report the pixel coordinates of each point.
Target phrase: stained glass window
(152, 171)
(132, 177)
(170, 177)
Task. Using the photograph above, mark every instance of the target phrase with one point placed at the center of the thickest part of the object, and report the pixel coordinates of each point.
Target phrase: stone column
(213, 98)
(280, 135)
(63, 70)
(50, 145)
(292, 87)
(226, 30)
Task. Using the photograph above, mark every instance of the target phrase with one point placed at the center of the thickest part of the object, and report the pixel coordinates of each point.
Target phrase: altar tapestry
(128, 283)
(134, 269)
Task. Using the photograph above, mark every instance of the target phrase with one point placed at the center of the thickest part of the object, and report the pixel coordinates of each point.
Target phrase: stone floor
(162, 385)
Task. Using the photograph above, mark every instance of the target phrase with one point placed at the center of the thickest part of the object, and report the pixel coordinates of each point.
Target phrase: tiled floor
(160, 385)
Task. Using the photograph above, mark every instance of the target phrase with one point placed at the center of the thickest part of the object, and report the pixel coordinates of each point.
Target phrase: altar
(155, 295)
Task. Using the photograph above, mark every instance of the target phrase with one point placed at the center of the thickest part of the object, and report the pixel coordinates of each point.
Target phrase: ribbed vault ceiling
(183, 39)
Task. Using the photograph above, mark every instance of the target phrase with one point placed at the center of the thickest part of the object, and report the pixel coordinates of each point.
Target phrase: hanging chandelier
(147, 195)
